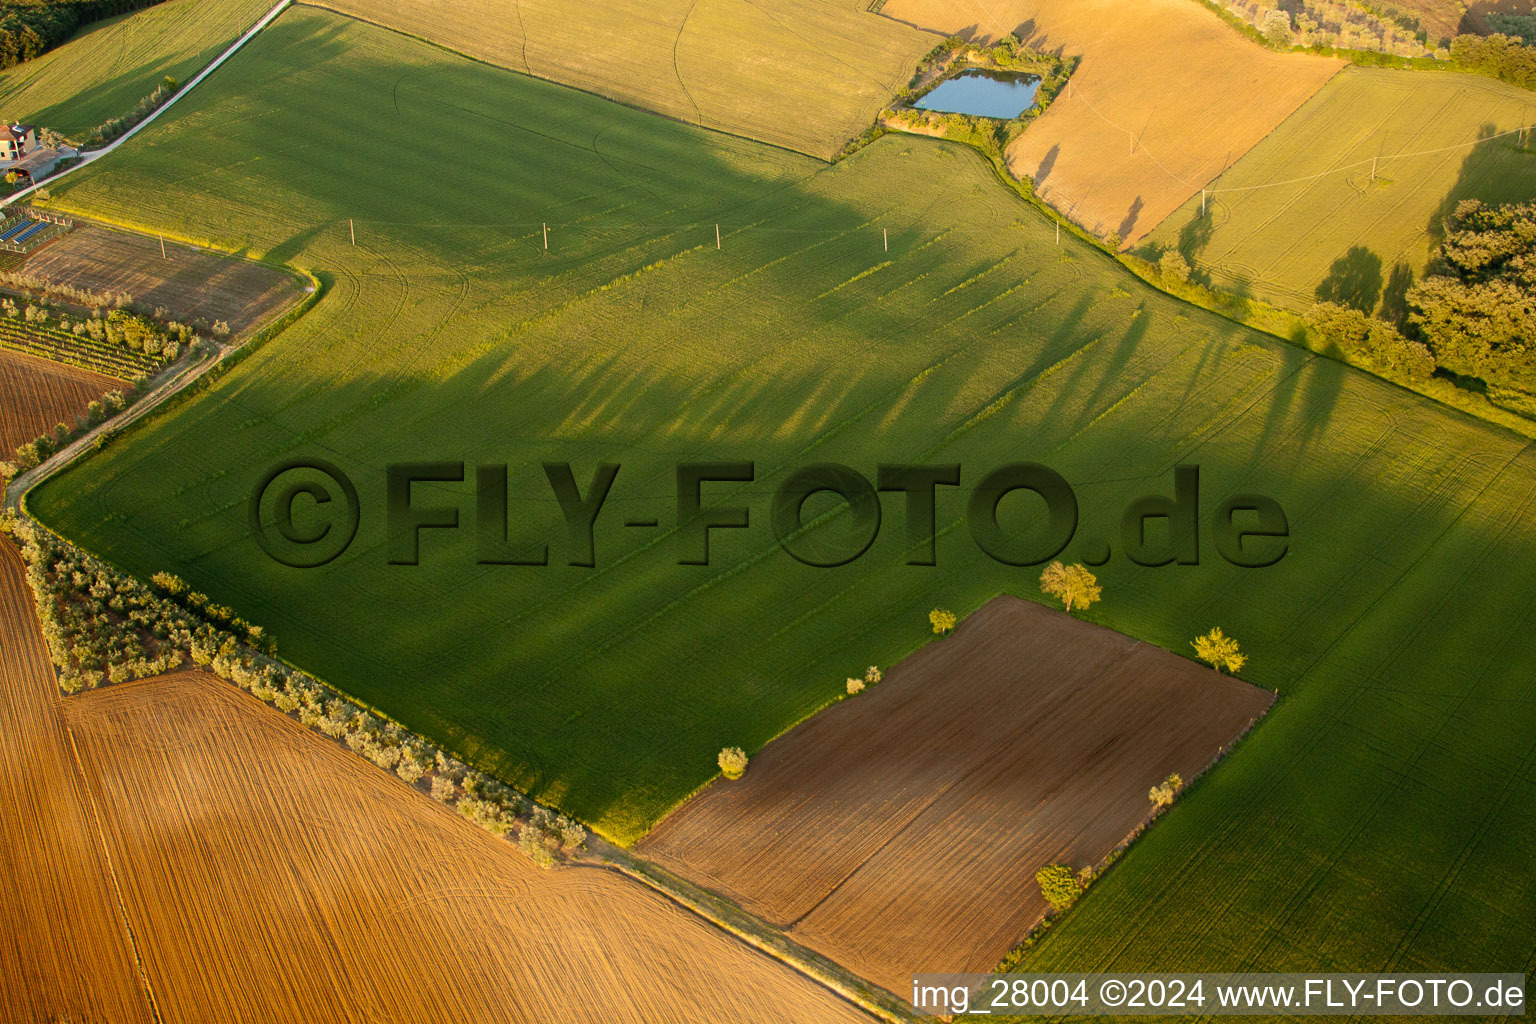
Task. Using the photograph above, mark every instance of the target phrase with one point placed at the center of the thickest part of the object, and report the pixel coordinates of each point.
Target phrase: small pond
(984, 94)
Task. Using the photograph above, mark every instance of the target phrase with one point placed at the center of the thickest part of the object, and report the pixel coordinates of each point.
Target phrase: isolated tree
(1058, 885)
(1163, 793)
(855, 686)
(1173, 266)
(1219, 651)
(1070, 584)
(733, 762)
(873, 675)
(942, 621)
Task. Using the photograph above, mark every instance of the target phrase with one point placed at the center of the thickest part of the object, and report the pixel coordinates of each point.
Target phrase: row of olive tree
(31, 453)
(103, 626)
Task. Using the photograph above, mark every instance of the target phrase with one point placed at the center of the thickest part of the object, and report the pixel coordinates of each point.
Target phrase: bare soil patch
(901, 830)
(64, 952)
(191, 283)
(272, 875)
(35, 394)
(1193, 94)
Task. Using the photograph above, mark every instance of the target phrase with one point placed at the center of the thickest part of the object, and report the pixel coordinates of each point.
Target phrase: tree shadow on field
(1497, 171)
(1194, 236)
(1047, 165)
(1131, 216)
(1394, 297)
(294, 244)
(1353, 280)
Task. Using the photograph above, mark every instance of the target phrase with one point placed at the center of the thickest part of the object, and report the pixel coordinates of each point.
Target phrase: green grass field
(110, 65)
(1376, 818)
(1363, 241)
(805, 74)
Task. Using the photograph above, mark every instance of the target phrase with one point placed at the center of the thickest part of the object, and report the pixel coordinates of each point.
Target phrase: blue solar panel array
(25, 224)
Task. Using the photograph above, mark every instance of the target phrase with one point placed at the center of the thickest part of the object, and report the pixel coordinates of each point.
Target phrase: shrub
(942, 621)
(855, 686)
(873, 675)
(733, 762)
(1173, 266)
(1219, 651)
(1163, 793)
(1058, 885)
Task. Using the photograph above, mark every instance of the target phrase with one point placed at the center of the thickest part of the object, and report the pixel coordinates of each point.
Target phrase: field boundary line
(111, 147)
(749, 929)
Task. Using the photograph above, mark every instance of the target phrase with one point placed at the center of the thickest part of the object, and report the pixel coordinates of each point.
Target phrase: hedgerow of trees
(31, 453)
(30, 28)
(113, 128)
(102, 626)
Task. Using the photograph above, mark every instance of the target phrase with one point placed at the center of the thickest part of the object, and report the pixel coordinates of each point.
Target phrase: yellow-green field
(804, 74)
(109, 66)
(1331, 226)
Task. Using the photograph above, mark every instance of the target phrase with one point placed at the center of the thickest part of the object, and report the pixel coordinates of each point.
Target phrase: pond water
(984, 94)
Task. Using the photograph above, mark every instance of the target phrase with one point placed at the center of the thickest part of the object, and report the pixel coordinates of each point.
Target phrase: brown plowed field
(272, 875)
(190, 283)
(64, 953)
(900, 831)
(35, 394)
(1194, 94)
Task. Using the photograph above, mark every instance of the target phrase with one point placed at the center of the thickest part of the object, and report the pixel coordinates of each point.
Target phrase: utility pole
(1058, 232)
(717, 236)
(352, 228)
(1373, 169)
(1202, 202)
(1133, 142)
(162, 248)
(546, 236)
(886, 238)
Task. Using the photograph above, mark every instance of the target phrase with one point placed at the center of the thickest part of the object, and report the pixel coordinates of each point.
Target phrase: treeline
(30, 28)
(1472, 317)
(1503, 57)
(103, 626)
(1476, 306)
(1499, 55)
(31, 453)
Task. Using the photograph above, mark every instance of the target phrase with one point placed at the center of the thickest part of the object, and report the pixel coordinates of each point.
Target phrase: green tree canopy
(1476, 307)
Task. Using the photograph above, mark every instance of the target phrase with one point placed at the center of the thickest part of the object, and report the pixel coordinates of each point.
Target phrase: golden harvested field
(35, 394)
(901, 830)
(804, 74)
(271, 875)
(1192, 93)
(64, 952)
(189, 282)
